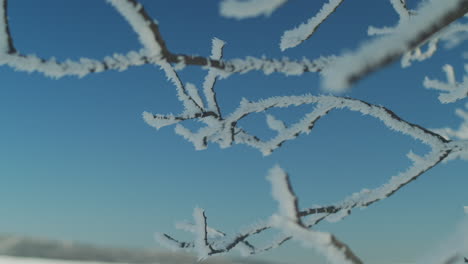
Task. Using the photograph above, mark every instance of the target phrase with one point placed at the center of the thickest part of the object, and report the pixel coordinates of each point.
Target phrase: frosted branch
(146, 28)
(289, 222)
(451, 90)
(293, 37)
(6, 42)
(226, 132)
(283, 193)
(211, 77)
(191, 107)
(404, 16)
(189, 227)
(290, 215)
(430, 19)
(462, 132)
(201, 244)
(449, 35)
(251, 8)
(154, 51)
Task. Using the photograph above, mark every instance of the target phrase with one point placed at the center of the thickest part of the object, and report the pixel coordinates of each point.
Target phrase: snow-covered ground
(21, 260)
(26, 250)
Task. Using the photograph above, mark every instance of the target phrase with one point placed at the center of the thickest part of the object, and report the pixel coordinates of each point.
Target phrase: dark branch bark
(11, 47)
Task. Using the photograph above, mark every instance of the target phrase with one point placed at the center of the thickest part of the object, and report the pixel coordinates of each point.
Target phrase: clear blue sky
(79, 163)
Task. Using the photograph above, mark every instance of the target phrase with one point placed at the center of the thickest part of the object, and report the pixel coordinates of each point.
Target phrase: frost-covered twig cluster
(431, 18)
(451, 90)
(427, 25)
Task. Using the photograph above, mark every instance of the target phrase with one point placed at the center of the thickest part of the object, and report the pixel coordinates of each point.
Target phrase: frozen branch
(250, 8)
(225, 131)
(462, 132)
(332, 213)
(430, 19)
(211, 77)
(201, 244)
(404, 16)
(293, 37)
(212, 233)
(146, 28)
(449, 35)
(451, 90)
(429, 25)
(289, 222)
(155, 51)
(6, 42)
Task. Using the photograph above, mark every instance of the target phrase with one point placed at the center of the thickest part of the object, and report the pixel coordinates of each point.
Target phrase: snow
(22, 260)
(294, 37)
(249, 8)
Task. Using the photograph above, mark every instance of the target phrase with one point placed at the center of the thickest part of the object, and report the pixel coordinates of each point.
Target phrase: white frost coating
(320, 241)
(451, 90)
(141, 26)
(372, 31)
(418, 55)
(192, 91)
(400, 7)
(288, 221)
(416, 159)
(450, 73)
(285, 66)
(338, 76)
(212, 233)
(282, 193)
(195, 138)
(210, 78)
(225, 131)
(293, 37)
(201, 243)
(452, 36)
(190, 105)
(158, 121)
(241, 9)
(274, 123)
(366, 196)
(455, 34)
(462, 132)
(217, 48)
(165, 242)
(82, 67)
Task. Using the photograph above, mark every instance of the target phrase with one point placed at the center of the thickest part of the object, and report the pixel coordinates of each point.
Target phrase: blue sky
(79, 163)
